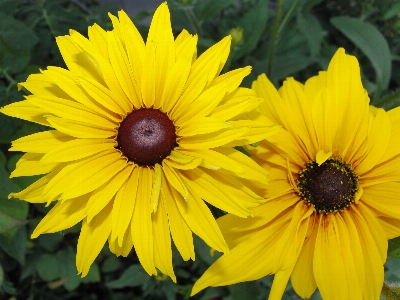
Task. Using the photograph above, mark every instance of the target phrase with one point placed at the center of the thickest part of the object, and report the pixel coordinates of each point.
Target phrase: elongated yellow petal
(62, 216)
(126, 247)
(378, 140)
(123, 71)
(162, 241)
(104, 194)
(372, 258)
(27, 111)
(141, 225)
(180, 231)
(33, 193)
(79, 130)
(302, 277)
(123, 207)
(202, 126)
(30, 164)
(328, 260)
(71, 110)
(77, 149)
(237, 267)
(95, 173)
(92, 238)
(175, 180)
(200, 220)
(40, 142)
(160, 36)
(210, 190)
(212, 140)
(76, 60)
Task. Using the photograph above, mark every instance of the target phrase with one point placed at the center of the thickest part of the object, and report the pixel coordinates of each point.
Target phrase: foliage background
(280, 38)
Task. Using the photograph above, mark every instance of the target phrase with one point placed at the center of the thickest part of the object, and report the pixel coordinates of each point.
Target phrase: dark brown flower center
(146, 136)
(330, 187)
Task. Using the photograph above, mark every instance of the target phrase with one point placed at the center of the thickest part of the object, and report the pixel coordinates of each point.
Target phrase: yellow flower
(333, 197)
(143, 132)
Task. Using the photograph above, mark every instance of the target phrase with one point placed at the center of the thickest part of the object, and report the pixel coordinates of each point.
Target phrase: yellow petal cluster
(340, 252)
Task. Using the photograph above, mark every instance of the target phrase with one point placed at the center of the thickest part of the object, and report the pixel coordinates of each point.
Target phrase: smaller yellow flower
(333, 198)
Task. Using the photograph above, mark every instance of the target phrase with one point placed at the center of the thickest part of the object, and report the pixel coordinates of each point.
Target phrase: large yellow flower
(333, 200)
(143, 132)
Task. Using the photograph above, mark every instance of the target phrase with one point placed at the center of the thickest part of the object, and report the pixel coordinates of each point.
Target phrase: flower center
(146, 136)
(330, 187)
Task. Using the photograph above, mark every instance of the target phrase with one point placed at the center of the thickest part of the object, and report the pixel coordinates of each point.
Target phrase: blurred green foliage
(280, 38)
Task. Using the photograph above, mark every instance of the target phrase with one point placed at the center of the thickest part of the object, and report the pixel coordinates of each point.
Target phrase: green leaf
(7, 222)
(66, 261)
(253, 24)
(371, 42)
(392, 12)
(15, 208)
(48, 267)
(111, 264)
(2, 158)
(312, 30)
(16, 34)
(50, 242)
(394, 248)
(15, 246)
(93, 275)
(133, 276)
(213, 7)
(1, 275)
(390, 101)
(245, 290)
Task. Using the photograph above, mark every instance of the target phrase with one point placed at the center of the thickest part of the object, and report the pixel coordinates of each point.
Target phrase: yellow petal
(103, 96)
(77, 60)
(180, 231)
(372, 259)
(212, 140)
(93, 173)
(213, 192)
(103, 195)
(383, 198)
(41, 142)
(155, 191)
(29, 164)
(175, 180)
(62, 216)
(33, 193)
(98, 36)
(328, 260)
(250, 260)
(202, 125)
(203, 71)
(123, 207)
(67, 82)
(26, 110)
(162, 241)
(91, 240)
(160, 33)
(126, 247)
(302, 277)
(141, 225)
(120, 64)
(77, 149)
(377, 142)
(322, 156)
(200, 220)
(78, 129)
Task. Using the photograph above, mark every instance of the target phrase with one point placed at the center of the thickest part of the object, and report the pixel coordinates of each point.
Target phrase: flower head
(332, 201)
(142, 134)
